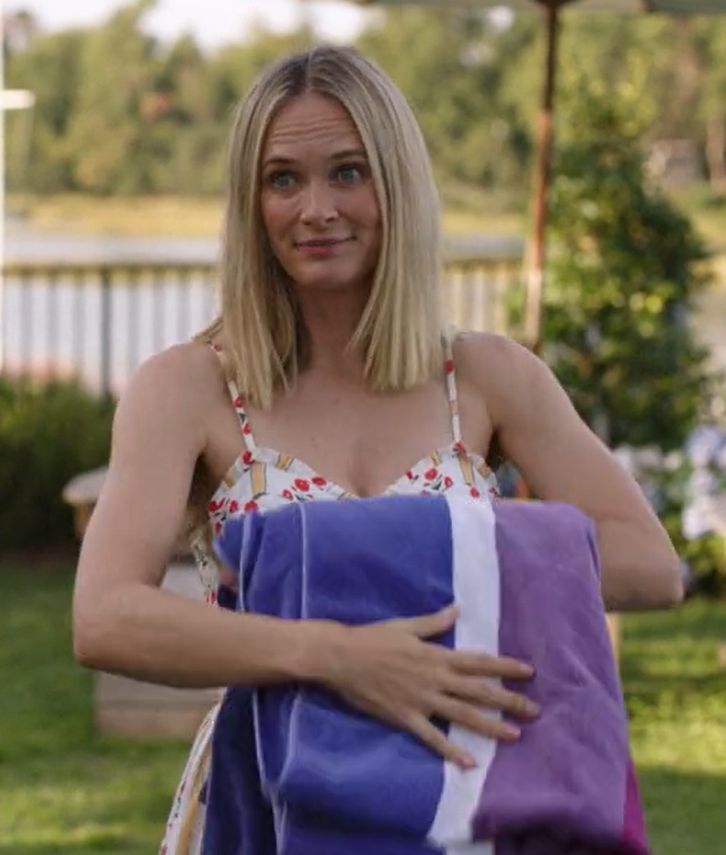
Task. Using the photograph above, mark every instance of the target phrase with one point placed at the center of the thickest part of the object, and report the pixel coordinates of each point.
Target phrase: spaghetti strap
(451, 390)
(236, 398)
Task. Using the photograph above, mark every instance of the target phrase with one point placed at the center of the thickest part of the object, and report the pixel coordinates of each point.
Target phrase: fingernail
(527, 670)
(532, 708)
(512, 731)
(469, 762)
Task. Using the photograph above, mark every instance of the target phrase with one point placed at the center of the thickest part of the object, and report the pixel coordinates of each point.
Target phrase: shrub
(625, 269)
(48, 434)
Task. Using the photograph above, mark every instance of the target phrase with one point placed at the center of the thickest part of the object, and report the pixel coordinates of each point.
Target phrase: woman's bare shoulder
(489, 358)
(178, 383)
(186, 368)
(500, 369)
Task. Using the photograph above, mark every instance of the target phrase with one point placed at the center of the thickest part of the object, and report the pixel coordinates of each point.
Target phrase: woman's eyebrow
(349, 152)
(279, 160)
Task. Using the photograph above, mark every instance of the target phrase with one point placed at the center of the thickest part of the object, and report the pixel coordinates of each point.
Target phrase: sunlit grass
(172, 216)
(476, 212)
(63, 789)
(676, 696)
(145, 216)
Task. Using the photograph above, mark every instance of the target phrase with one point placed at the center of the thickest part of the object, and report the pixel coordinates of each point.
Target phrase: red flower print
(251, 506)
(475, 493)
(449, 366)
(233, 506)
(246, 429)
(319, 481)
(237, 402)
(493, 491)
(247, 457)
(302, 484)
(459, 447)
(217, 527)
(286, 494)
(431, 473)
(448, 482)
(410, 475)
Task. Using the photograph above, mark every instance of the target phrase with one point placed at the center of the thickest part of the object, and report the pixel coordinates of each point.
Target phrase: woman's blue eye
(350, 173)
(281, 180)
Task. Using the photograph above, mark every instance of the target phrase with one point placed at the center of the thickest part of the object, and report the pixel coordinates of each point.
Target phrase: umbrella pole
(534, 286)
(540, 192)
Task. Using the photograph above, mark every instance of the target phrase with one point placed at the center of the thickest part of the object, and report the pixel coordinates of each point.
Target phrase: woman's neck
(331, 320)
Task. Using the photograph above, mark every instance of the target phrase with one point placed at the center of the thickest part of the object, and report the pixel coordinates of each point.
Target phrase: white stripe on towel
(476, 592)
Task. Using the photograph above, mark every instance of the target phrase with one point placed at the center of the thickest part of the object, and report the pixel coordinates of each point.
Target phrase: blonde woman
(328, 376)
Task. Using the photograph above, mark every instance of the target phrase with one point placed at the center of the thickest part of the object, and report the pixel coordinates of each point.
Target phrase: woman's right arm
(124, 622)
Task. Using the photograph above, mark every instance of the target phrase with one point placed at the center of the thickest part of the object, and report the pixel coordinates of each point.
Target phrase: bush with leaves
(625, 269)
(48, 434)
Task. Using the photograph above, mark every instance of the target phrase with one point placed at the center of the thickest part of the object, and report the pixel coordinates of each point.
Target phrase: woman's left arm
(561, 459)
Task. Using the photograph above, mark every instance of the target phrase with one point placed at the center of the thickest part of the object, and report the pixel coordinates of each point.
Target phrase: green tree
(623, 274)
(49, 67)
(117, 67)
(450, 66)
(183, 136)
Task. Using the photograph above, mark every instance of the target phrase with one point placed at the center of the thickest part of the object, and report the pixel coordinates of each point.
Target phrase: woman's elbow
(652, 582)
(659, 587)
(93, 630)
(87, 645)
(670, 590)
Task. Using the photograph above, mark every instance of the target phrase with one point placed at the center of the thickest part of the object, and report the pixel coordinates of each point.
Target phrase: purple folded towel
(297, 771)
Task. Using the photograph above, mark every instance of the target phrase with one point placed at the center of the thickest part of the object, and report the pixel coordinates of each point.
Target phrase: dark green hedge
(48, 434)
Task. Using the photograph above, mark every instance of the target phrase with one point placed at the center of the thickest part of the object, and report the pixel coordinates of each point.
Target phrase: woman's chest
(361, 441)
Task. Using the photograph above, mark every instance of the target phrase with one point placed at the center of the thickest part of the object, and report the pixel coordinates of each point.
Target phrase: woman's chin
(329, 283)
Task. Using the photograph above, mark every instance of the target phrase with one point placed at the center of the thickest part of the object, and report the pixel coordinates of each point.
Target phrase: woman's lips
(321, 247)
(316, 242)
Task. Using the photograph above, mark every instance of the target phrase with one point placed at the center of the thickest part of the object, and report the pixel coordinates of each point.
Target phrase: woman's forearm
(640, 568)
(155, 635)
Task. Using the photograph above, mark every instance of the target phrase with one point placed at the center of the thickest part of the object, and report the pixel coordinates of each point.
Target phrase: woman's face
(318, 203)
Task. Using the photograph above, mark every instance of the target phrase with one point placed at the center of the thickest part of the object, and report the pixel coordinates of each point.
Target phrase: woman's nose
(318, 203)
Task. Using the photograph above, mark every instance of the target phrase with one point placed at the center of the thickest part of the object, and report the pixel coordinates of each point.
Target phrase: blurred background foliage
(159, 113)
(48, 434)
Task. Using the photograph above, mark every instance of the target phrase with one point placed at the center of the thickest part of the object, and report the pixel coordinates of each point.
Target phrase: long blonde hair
(399, 332)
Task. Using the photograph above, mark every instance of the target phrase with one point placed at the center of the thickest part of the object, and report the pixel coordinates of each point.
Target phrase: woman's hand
(386, 670)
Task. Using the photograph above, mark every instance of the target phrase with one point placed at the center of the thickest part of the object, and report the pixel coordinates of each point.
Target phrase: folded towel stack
(296, 771)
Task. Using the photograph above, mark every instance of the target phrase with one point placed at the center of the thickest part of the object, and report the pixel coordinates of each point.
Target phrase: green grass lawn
(676, 696)
(62, 788)
(65, 790)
